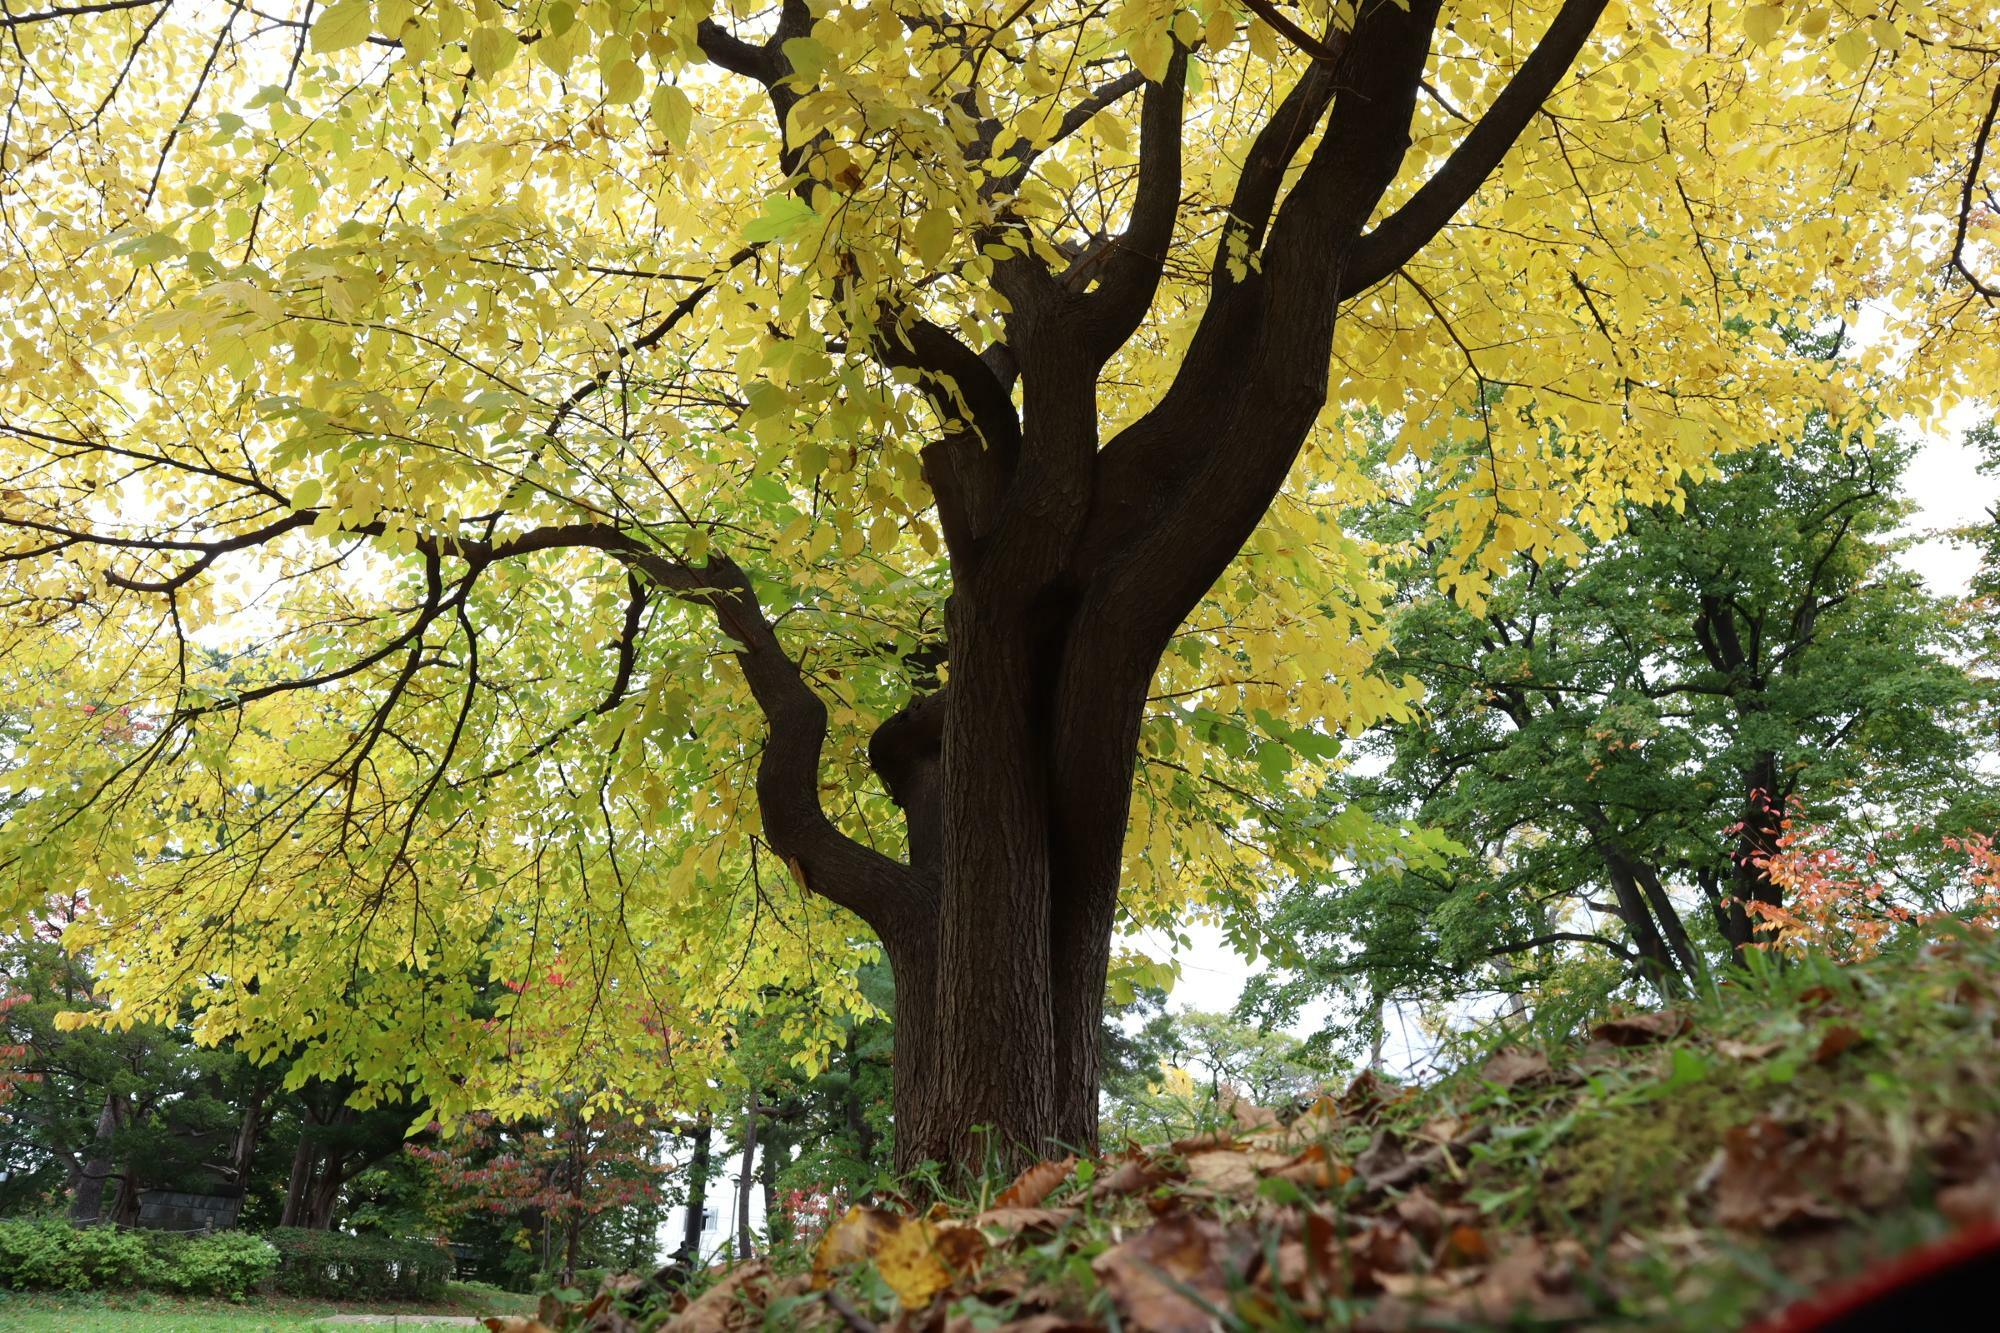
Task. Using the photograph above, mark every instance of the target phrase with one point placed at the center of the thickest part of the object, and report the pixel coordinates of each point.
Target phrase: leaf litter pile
(1692, 1168)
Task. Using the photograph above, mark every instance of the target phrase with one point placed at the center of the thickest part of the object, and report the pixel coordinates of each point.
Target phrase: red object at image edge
(1946, 1278)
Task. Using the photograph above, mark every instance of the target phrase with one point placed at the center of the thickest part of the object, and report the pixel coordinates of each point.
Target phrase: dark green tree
(1613, 742)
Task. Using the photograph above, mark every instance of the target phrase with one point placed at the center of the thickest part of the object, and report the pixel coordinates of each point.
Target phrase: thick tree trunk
(1756, 841)
(300, 1180)
(249, 1132)
(88, 1204)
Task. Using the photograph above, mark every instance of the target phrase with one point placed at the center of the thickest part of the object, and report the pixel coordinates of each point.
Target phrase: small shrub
(329, 1265)
(222, 1263)
(50, 1252)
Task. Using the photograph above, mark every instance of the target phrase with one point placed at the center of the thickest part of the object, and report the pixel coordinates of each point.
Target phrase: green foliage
(49, 1252)
(366, 1268)
(225, 1263)
(1610, 738)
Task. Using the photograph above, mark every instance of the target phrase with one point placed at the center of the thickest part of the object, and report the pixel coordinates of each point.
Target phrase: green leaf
(673, 113)
(783, 215)
(623, 81)
(493, 49)
(345, 23)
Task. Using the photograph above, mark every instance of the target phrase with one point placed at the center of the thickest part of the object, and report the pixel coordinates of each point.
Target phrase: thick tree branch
(1127, 272)
(1979, 146)
(1396, 240)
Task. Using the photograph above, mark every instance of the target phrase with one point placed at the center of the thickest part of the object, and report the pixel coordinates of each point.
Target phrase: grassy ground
(151, 1312)
(1689, 1169)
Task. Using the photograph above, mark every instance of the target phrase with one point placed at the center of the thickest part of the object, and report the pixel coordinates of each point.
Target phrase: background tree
(618, 479)
(1617, 745)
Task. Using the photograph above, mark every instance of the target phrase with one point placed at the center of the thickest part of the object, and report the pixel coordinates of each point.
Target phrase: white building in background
(718, 1214)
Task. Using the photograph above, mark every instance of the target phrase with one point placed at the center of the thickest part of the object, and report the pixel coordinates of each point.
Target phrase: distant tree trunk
(746, 1179)
(865, 1138)
(689, 1253)
(249, 1132)
(87, 1207)
(324, 1201)
(1757, 837)
(300, 1180)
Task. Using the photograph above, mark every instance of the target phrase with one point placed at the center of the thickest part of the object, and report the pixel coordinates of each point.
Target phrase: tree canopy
(586, 494)
(1615, 745)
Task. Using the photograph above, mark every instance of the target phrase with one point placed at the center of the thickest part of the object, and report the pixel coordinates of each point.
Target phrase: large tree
(533, 471)
(1615, 746)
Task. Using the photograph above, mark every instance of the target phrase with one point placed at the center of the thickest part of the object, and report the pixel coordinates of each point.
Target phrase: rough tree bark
(1075, 559)
(87, 1205)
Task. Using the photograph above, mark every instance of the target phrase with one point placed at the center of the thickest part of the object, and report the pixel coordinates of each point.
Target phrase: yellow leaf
(623, 82)
(345, 23)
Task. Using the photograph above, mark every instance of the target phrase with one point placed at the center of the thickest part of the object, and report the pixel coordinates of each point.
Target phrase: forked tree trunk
(1074, 559)
(88, 1204)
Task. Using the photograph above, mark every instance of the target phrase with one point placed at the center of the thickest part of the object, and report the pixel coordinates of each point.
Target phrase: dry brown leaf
(1774, 1178)
(1748, 1050)
(1836, 1039)
(1314, 1169)
(1247, 1115)
(1170, 1278)
(1035, 1184)
(1134, 1175)
(1527, 1282)
(1233, 1171)
(514, 1323)
(1026, 1219)
(1418, 1211)
(726, 1307)
(1972, 1203)
(1642, 1029)
(1514, 1066)
(1464, 1244)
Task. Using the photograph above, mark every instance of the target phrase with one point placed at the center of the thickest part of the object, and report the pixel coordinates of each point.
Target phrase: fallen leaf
(1774, 1178)
(852, 1239)
(1248, 1115)
(1419, 1212)
(1748, 1050)
(1233, 1171)
(1465, 1244)
(1170, 1278)
(1514, 1066)
(1134, 1175)
(1836, 1039)
(1642, 1029)
(1026, 1219)
(514, 1323)
(1972, 1203)
(1525, 1283)
(1314, 1169)
(1035, 1184)
(725, 1307)
(917, 1258)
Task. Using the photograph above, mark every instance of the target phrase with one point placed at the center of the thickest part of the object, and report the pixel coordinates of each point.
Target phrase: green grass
(151, 1312)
